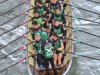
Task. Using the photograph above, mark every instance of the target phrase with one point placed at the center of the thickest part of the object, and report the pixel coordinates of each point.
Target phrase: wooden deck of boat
(68, 47)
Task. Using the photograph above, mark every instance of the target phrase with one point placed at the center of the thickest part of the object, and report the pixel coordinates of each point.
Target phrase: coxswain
(46, 47)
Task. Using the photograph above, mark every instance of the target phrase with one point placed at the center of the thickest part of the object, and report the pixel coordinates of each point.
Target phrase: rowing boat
(61, 70)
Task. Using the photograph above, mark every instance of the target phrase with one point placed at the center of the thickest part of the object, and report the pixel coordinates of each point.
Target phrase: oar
(78, 54)
(77, 17)
(78, 29)
(16, 16)
(15, 27)
(78, 41)
(15, 40)
(83, 9)
(14, 7)
(93, 1)
(34, 64)
(20, 48)
(3, 1)
(18, 62)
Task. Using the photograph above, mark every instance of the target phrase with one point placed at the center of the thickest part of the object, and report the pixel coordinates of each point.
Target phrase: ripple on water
(80, 66)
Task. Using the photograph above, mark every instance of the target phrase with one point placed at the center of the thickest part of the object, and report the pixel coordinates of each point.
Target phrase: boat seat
(57, 67)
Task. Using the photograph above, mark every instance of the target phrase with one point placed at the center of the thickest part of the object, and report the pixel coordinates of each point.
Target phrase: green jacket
(58, 17)
(38, 20)
(37, 47)
(57, 44)
(58, 31)
(47, 48)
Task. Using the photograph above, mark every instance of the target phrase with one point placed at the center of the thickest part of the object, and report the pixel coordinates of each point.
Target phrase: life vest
(52, 7)
(40, 9)
(38, 47)
(48, 53)
(58, 17)
(57, 44)
(58, 31)
(38, 20)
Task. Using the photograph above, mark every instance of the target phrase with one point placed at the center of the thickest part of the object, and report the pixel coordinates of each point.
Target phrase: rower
(40, 8)
(37, 49)
(46, 4)
(46, 47)
(43, 2)
(58, 29)
(59, 16)
(35, 28)
(58, 48)
(53, 5)
(38, 18)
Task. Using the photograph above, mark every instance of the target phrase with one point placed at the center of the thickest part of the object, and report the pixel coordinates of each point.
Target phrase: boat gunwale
(28, 65)
(71, 56)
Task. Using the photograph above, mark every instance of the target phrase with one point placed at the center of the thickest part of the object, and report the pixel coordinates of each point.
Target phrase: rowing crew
(48, 47)
(57, 18)
(42, 13)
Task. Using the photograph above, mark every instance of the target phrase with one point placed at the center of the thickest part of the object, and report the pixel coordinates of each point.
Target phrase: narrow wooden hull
(62, 70)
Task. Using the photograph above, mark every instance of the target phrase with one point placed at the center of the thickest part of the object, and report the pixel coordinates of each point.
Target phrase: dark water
(80, 65)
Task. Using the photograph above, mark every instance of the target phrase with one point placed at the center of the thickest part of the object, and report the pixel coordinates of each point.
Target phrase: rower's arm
(62, 45)
(64, 19)
(52, 30)
(53, 44)
(51, 18)
(34, 46)
(43, 21)
(62, 30)
(44, 10)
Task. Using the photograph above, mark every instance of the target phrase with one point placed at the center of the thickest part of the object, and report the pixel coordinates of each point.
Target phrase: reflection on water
(80, 65)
